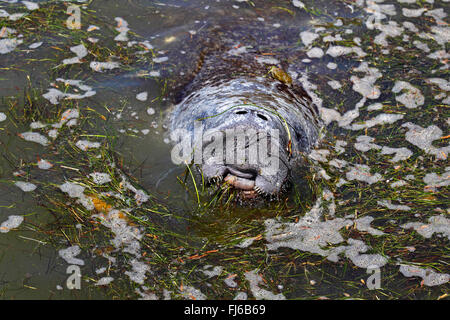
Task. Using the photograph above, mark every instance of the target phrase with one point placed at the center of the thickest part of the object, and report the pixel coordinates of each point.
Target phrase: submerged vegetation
(140, 242)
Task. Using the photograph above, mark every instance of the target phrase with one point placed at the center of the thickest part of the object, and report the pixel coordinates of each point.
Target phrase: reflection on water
(92, 102)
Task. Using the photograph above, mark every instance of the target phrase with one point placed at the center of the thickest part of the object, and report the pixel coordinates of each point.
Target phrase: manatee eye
(262, 117)
(241, 112)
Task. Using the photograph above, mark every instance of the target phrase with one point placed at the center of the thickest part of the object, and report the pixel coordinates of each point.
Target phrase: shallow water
(376, 197)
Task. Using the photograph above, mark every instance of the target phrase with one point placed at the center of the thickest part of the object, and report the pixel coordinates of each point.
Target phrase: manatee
(244, 121)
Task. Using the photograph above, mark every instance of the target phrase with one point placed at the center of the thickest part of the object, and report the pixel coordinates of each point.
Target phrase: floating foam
(122, 28)
(2, 116)
(389, 205)
(34, 137)
(142, 96)
(424, 137)
(441, 83)
(382, 118)
(44, 164)
(160, 59)
(436, 224)
(255, 280)
(413, 13)
(363, 224)
(366, 85)
(336, 51)
(190, 292)
(31, 5)
(400, 153)
(334, 84)
(76, 191)
(85, 145)
(100, 178)
(8, 45)
(364, 144)
(12, 223)
(35, 45)
(104, 281)
(216, 271)
(315, 53)
(361, 172)
(429, 276)
(69, 255)
(308, 37)
(298, 4)
(102, 66)
(434, 181)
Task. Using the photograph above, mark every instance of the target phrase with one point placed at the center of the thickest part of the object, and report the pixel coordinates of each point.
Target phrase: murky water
(86, 177)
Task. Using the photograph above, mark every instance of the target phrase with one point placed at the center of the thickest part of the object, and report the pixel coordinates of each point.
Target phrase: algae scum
(87, 184)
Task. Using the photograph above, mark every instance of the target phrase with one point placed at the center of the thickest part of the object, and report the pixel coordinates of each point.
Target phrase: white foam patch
(35, 45)
(361, 172)
(334, 84)
(44, 164)
(267, 60)
(364, 144)
(31, 5)
(160, 59)
(192, 293)
(2, 116)
(216, 271)
(76, 191)
(388, 204)
(413, 13)
(104, 281)
(255, 280)
(122, 28)
(400, 153)
(100, 177)
(366, 85)
(142, 96)
(429, 276)
(85, 145)
(54, 95)
(382, 118)
(102, 66)
(315, 53)
(441, 83)
(424, 137)
(411, 98)
(9, 45)
(80, 52)
(436, 224)
(308, 37)
(434, 181)
(336, 51)
(34, 137)
(298, 4)
(69, 255)
(13, 222)
(363, 224)
(138, 272)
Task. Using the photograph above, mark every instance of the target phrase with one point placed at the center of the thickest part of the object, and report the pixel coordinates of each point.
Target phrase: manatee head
(246, 133)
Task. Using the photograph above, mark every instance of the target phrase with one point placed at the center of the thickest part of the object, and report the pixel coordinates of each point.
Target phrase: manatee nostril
(241, 112)
(261, 116)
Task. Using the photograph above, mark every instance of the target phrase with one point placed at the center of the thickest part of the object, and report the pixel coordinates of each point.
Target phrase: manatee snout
(252, 155)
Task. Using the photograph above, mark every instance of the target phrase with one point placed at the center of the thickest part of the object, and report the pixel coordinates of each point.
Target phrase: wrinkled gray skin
(233, 91)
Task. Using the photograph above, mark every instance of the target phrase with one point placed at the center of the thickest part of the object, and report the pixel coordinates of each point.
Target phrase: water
(375, 198)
